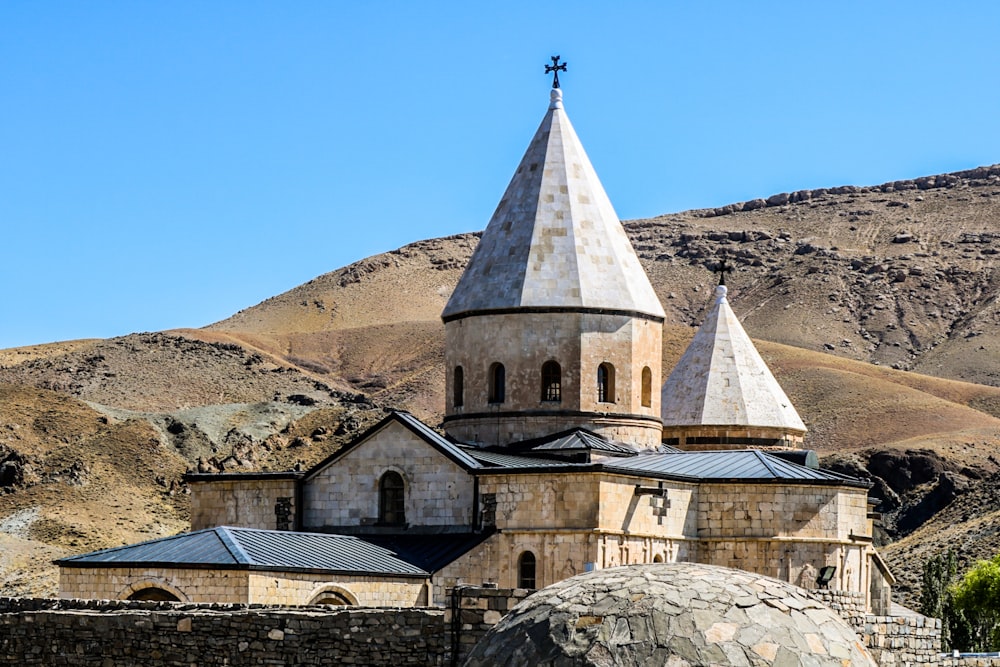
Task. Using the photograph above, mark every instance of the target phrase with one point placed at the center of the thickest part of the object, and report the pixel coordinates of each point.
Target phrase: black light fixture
(825, 575)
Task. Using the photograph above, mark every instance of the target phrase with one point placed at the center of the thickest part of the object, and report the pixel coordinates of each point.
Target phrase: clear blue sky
(165, 164)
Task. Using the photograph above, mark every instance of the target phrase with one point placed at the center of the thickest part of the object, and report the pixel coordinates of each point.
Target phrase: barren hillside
(875, 306)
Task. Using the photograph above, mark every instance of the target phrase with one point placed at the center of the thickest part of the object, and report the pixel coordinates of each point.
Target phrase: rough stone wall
(239, 586)
(251, 503)
(158, 634)
(479, 610)
(970, 661)
(849, 605)
(579, 342)
(901, 641)
(161, 635)
(437, 491)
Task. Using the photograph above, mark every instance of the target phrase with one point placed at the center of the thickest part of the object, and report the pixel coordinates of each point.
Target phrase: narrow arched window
(526, 570)
(551, 381)
(605, 383)
(459, 386)
(647, 387)
(391, 500)
(498, 383)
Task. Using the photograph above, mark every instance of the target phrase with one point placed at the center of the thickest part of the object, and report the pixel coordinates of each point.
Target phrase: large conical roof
(554, 241)
(721, 380)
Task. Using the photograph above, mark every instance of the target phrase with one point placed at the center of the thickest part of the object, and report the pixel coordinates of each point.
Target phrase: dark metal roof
(428, 552)
(710, 466)
(581, 439)
(745, 465)
(492, 459)
(250, 549)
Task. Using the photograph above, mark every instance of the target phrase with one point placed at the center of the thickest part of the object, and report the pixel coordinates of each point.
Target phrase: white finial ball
(720, 292)
(556, 98)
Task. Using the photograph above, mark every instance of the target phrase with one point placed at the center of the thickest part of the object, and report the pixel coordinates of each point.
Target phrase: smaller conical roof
(722, 380)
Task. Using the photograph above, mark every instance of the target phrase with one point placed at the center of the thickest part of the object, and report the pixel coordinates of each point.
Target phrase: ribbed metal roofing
(554, 240)
(580, 439)
(501, 460)
(225, 547)
(429, 552)
(728, 465)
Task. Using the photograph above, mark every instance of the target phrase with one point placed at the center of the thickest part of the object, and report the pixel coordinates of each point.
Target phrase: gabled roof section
(447, 448)
(554, 241)
(733, 465)
(428, 552)
(739, 466)
(580, 439)
(721, 380)
(250, 549)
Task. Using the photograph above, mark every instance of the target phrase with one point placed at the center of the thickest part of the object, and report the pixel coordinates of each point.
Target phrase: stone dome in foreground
(671, 614)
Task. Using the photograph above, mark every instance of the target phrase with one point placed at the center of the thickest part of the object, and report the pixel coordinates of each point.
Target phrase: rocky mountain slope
(875, 306)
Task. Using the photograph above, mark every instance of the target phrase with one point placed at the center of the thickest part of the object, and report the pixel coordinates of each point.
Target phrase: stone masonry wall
(438, 492)
(902, 641)
(102, 633)
(162, 634)
(268, 504)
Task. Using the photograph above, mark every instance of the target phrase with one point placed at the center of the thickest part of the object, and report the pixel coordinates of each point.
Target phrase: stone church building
(562, 449)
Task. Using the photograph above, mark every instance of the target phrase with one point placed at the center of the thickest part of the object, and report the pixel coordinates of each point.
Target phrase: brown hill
(851, 288)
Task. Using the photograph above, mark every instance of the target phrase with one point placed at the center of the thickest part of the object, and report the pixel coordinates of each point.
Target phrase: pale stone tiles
(555, 239)
(722, 380)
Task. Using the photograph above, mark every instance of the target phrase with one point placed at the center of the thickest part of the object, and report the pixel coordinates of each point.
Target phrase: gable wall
(438, 492)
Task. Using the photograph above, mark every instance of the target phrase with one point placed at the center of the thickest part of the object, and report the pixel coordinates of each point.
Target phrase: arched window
(526, 570)
(657, 558)
(390, 500)
(459, 381)
(647, 387)
(551, 381)
(605, 383)
(498, 383)
(154, 594)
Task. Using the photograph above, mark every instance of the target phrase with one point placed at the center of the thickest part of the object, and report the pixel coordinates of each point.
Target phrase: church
(562, 449)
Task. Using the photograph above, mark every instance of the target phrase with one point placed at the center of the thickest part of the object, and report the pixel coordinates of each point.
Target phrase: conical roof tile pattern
(554, 241)
(721, 380)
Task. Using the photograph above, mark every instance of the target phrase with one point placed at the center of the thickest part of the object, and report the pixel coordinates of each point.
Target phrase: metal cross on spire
(722, 268)
(554, 69)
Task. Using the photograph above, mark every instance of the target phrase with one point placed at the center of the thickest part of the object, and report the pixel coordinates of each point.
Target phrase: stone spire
(554, 240)
(554, 325)
(721, 394)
